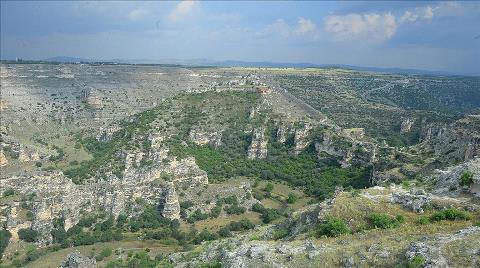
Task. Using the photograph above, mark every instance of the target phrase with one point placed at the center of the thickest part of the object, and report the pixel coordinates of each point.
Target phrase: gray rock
(77, 260)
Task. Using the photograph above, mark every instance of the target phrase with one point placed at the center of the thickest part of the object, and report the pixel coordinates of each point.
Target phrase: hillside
(154, 166)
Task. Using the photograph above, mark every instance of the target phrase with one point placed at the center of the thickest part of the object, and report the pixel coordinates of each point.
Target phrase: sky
(439, 36)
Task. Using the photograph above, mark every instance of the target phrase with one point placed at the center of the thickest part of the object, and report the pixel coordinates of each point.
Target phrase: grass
(355, 211)
(53, 259)
(216, 223)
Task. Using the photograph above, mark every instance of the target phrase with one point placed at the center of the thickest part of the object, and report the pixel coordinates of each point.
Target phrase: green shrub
(292, 198)
(333, 228)
(28, 235)
(466, 179)
(416, 262)
(423, 220)
(268, 188)
(210, 265)
(355, 192)
(197, 215)
(231, 200)
(258, 196)
(105, 253)
(234, 209)
(450, 214)
(8, 192)
(215, 212)
(186, 204)
(384, 221)
(224, 232)
(270, 214)
(205, 235)
(280, 233)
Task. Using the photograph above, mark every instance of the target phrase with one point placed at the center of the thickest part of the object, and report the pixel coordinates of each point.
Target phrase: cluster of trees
(89, 230)
(267, 214)
(302, 170)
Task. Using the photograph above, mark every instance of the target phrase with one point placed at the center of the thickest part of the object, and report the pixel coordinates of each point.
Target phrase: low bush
(292, 198)
(28, 235)
(416, 262)
(466, 179)
(384, 221)
(235, 209)
(450, 214)
(423, 220)
(333, 228)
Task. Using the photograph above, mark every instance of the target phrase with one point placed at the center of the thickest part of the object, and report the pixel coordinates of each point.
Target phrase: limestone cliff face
(170, 204)
(202, 137)
(459, 141)
(348, 151)
(447, 181)
(57, 196)
(258, 146)
(406, 125)
(301, 140)
(3, 159)
(106, 133)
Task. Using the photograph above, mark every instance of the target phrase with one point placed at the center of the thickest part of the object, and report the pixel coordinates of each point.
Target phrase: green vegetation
(416, 262)
(8, 192)
(4, 239)
(466, 179)
(384, 221)
(106, 252)
(267, 214)
(28, 235)
(450, 214)
(197, 215)
(140, 259)
(333, 228)
(235, 226)
(423, 220)
(301, 170)
(292, 198)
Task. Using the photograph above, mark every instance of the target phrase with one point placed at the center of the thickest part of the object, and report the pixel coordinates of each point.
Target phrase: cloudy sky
(442, 36)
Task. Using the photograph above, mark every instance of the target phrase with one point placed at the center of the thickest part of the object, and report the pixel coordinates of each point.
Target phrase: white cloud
(373, 27)
(137, 14)
(183, 10)
(419, 13)
(304, 27)
(280, 27)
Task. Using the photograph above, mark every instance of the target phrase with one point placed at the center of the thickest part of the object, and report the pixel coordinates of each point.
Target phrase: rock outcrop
(201, 137)
(106, 133)
(3, 159)
(434, 250)
(77, 260)
(258, 146)
(448, 181)
(414, 200)
(301, 140)
(451, 143)
(170, 204)
(57, 196)
(406, 125)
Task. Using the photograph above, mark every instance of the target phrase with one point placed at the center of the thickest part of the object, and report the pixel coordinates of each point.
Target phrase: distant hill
(66, 59)
(259, 64)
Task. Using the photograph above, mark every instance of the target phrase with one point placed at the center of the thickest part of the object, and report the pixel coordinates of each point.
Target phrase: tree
(28, 235)
(269, 187)
(292, 198)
